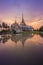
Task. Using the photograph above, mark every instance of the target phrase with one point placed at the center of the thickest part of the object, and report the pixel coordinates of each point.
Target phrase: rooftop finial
(23, 22)
(22, 16)
(15, 19)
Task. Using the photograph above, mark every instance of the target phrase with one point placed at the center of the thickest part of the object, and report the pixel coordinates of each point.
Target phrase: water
(26, 49)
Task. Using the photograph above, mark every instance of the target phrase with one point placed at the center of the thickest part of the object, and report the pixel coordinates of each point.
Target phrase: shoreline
(24, 32)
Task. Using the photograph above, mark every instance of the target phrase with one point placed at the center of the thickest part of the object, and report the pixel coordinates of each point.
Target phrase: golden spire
(15, 19)
(23, 22)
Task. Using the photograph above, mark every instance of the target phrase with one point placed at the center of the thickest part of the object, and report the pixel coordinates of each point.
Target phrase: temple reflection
(15, 38)
(25, 37)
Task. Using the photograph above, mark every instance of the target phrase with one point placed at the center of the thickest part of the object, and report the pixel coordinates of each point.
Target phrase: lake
(21, 49)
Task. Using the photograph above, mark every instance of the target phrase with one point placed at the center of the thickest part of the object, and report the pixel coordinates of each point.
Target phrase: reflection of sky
(32, 10)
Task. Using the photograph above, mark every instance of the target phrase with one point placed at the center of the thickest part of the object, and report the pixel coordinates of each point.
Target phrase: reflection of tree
(4, 38)
(41, 34)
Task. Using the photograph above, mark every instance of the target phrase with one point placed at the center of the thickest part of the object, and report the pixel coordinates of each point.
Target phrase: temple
(22, 27)
(15, 27)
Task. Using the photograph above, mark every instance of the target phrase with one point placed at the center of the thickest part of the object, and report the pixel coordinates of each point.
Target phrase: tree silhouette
(4, 25)
(41, 28)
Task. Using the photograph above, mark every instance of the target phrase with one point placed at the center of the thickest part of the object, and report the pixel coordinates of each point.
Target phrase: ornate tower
(23, 22)
(16, 24)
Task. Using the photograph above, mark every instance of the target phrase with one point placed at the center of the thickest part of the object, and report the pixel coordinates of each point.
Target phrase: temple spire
(23, 22)
(22, 18)
(15, 19)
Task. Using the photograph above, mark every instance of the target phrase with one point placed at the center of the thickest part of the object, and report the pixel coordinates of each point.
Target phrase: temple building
(24, 26)
(15, 27)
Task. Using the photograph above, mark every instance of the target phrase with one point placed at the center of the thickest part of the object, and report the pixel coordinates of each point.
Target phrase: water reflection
(20, 37)
(4, 38)
(30, 52)
(15, 38)
(41, 34)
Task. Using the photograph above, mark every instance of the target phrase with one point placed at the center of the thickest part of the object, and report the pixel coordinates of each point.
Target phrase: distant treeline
(40, 29)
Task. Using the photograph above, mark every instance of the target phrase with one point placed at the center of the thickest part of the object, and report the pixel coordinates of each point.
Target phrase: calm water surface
(21, 49)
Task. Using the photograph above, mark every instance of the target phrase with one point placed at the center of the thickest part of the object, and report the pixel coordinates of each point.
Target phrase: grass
(25, 32)
(30, 32)
(37, 32)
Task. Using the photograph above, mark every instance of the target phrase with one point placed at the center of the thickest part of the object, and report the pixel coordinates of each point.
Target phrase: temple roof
(23, 22)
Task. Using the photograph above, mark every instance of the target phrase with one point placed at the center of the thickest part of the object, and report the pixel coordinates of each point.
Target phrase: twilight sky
(31, 9)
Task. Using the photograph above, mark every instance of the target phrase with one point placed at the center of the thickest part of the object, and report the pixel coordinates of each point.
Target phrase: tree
(41, 28)
(4, 25)
(0, 26)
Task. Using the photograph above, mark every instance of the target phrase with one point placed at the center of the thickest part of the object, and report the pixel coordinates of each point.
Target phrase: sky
(32, 11)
